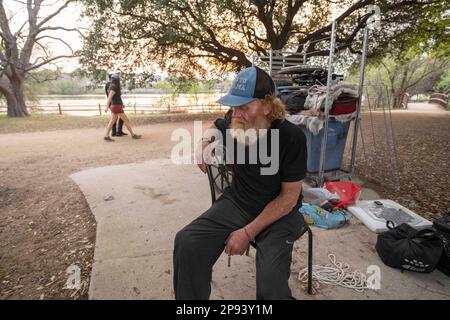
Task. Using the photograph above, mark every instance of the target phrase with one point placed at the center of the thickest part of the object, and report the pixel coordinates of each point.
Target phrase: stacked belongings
(343, 109)
(305, 96)
(318, 209)
(326, 207)
(294, 82)
(305, 100)
(294, 99)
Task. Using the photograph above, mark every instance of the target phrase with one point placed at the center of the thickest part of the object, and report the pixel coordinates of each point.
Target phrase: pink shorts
(116, 108)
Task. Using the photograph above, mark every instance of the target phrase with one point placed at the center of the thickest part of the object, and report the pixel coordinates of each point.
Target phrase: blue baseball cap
(250, 84)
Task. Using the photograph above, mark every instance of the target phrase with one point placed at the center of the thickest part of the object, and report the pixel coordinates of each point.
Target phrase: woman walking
(115, 104)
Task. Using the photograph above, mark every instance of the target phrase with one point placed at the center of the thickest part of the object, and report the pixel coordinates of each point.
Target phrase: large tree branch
(320, 33)
(4, 24)
(213, 45)
(62, 28)
(48, 77)
(217, 44)
(27, 49)
(19, 31)
(57, 39)
(48, 61)
(33, 12)
(52, 15)
(44, 49)
(362, 22)
(10, 46)
(266, 19)
(426, 74)
(287, 27)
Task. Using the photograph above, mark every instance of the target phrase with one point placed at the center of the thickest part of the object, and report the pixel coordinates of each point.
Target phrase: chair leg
(310, 254)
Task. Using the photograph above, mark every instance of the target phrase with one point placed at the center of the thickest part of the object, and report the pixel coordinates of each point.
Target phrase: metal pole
(270, 62)
(360, 93)
(327, 104)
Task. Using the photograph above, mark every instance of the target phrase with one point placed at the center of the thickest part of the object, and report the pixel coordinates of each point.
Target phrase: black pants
(199, 245)
(119, 124)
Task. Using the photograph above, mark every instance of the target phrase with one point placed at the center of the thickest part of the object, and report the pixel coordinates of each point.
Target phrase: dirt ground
(46, 224)
(413, 168)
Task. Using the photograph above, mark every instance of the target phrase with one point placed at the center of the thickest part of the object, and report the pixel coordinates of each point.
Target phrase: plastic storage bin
(337, 137)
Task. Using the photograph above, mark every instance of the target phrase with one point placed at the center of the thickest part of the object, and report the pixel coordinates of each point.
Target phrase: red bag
(349, 192)
(343, 106)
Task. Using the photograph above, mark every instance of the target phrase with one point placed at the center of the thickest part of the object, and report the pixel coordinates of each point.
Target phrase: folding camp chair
(220, 176)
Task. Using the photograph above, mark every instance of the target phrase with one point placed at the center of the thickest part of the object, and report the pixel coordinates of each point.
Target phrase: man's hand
(237, 242)
(106, 110)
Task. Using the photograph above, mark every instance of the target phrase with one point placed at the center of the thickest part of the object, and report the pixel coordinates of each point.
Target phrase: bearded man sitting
(261, 205)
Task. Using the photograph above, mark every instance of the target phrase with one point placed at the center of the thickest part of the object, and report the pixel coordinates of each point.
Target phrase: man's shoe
(107, 138)
(114, 134)
(136, 136)
(122, 133)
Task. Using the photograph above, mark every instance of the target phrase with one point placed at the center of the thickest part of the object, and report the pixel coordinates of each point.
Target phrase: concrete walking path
(140, 207)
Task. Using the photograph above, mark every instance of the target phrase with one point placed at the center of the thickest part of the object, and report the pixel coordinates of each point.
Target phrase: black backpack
(442, 226)
(404, 247)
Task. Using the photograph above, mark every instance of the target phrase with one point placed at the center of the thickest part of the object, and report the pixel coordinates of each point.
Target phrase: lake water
(88, 104)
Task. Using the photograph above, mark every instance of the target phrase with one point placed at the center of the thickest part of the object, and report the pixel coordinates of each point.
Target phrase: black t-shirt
(116, 99)
(251, 190)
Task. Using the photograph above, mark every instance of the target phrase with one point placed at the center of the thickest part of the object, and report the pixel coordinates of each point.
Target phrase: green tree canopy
(183, 35)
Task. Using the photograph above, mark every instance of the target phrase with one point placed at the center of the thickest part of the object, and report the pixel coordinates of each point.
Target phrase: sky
(68, 18)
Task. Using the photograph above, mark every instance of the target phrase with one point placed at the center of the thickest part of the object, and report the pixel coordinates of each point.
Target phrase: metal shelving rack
(278, 59)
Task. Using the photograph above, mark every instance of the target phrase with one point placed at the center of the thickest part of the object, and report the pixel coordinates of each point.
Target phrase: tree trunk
(15, 98)
(398, 100)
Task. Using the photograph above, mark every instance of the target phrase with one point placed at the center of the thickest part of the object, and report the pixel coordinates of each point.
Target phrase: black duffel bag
(442, 225)
(404, 247)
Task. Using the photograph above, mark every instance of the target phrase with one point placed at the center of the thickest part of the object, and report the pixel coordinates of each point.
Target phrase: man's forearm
(274, 210)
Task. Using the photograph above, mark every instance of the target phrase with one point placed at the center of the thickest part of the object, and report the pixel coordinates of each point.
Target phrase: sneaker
(136, 136)
(107, 138)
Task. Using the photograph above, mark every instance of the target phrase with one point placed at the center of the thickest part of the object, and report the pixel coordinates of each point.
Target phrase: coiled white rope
(336, 273)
